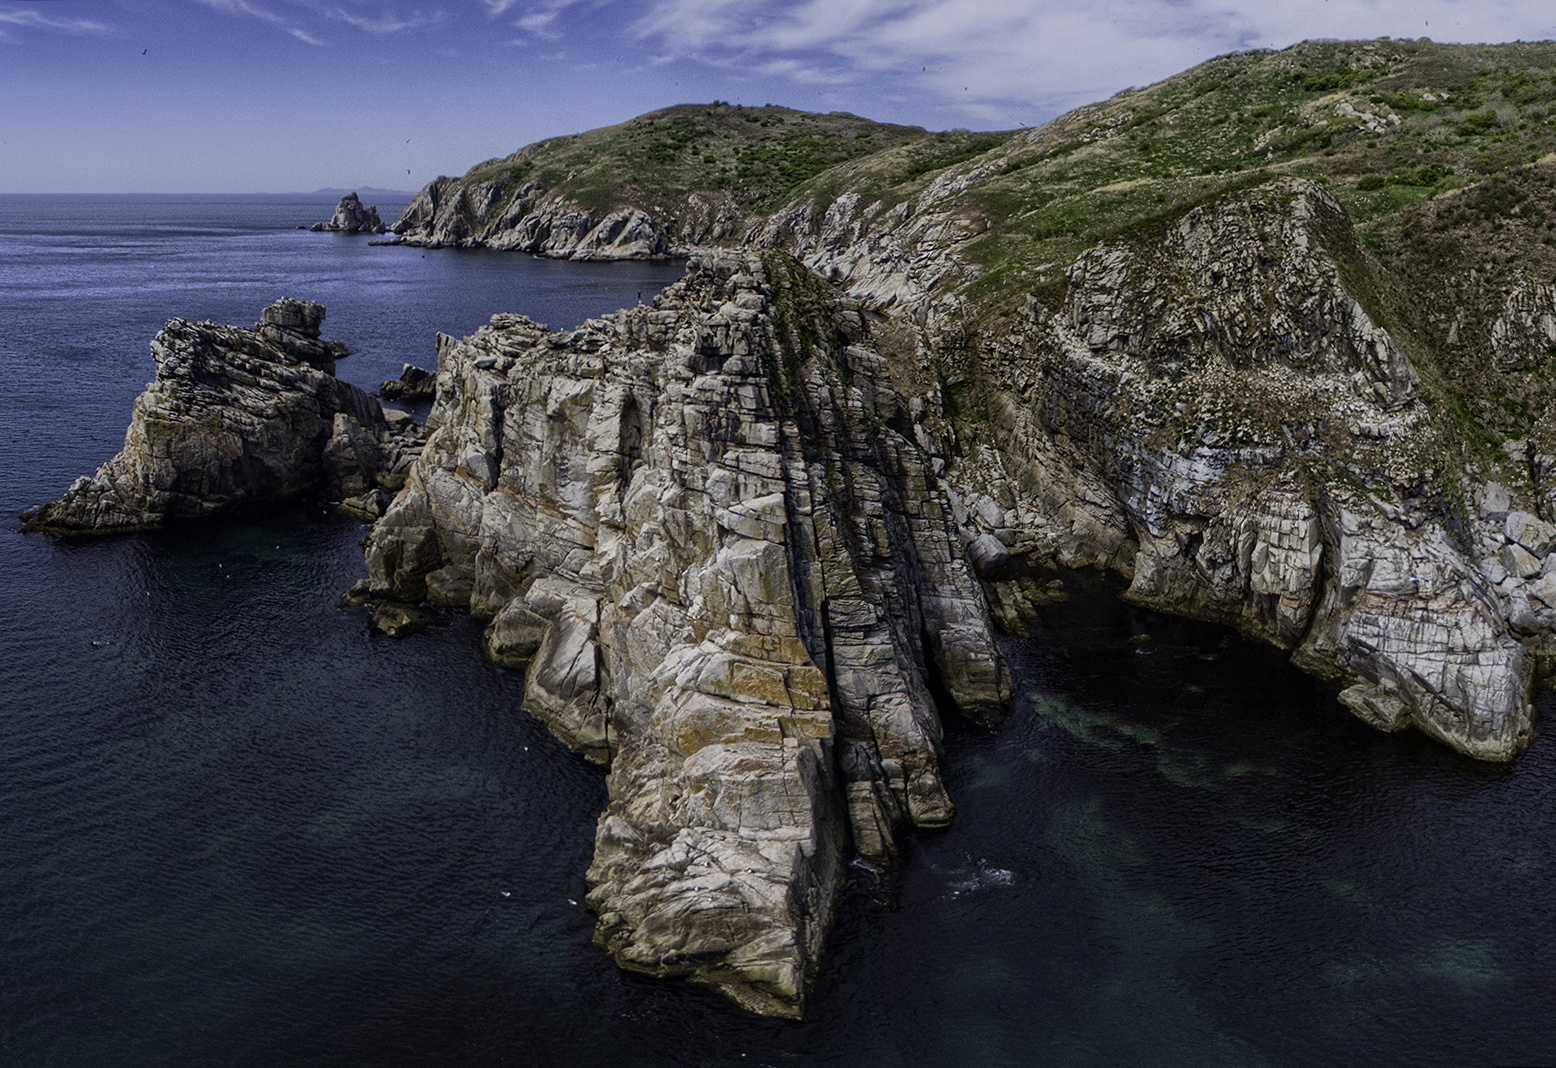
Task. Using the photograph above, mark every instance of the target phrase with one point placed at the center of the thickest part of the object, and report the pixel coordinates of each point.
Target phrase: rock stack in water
(352, 218)
(237, 418)
(728, 572)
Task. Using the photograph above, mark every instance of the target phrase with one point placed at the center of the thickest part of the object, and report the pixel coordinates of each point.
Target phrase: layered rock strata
(450, 213)
(351, 217)
(707, 533)
(235, 418)
(1216, 415)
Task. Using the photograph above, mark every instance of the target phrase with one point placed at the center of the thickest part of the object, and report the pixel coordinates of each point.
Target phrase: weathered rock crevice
(717, 563)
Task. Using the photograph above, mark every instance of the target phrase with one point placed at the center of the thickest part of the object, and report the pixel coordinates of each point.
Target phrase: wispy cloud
(244, 8)
(34, 20)
(369, 18)
(540, 18)
(1041, 56)
(385, 22)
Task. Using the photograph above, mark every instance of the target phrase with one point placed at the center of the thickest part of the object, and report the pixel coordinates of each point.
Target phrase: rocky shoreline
(749, 543)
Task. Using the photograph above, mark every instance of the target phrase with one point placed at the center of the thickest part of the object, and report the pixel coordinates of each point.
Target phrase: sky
(240, 96)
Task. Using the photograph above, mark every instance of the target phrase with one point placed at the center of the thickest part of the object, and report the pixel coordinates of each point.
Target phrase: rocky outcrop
(456, 213)
(236, 418)
(414, 384)
(352, 218)
(707, 533)
(1245, 443)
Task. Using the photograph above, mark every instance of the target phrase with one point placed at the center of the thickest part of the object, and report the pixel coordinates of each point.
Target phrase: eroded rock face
(728, 571)
(235, 418)
(451, 213)
(1260, 439)
(352, 218)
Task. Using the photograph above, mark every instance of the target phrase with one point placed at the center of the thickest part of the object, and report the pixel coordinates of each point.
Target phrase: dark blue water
(236, 828)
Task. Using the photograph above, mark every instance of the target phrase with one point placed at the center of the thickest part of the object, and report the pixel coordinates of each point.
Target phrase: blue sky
(295, 95)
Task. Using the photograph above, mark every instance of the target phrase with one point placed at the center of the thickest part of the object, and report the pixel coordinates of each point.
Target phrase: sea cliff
(750, 542)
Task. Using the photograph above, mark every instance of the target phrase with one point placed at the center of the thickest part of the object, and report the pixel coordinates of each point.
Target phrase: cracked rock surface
(235, 418)
(727, 570)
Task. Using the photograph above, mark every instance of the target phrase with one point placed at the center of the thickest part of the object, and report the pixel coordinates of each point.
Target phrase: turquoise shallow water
(237, 828)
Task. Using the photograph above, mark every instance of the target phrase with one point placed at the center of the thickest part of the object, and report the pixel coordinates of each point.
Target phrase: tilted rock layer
(1214, 414)
(1266, 446)
(706, 531)
(237, 418)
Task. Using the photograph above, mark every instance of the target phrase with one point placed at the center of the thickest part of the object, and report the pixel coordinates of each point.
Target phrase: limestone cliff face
(235, 418)
(707, 531)
(454, 213)
(1261, 438)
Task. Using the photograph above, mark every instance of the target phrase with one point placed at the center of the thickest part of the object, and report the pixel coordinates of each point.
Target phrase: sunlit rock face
(235, 418)
(706, 532)
(1214, 413)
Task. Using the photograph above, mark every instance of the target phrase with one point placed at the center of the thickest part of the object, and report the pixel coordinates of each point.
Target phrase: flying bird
(143, 51)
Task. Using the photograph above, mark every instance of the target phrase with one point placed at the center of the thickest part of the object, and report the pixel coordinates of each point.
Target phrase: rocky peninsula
(1269, 342)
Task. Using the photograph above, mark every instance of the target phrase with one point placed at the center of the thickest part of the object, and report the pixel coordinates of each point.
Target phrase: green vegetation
(1434, 150)
(757, 155)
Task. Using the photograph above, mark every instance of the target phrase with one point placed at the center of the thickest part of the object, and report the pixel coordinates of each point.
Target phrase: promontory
(1271, 343)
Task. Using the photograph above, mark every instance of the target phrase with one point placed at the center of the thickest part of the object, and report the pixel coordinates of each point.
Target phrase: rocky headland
(1269, 342)
(351, 217)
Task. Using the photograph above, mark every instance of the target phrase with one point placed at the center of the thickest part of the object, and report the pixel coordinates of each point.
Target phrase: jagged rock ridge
(702, 530)
(236, 418)
(352, 218)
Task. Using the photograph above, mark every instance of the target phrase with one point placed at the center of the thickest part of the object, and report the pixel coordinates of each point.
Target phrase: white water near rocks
(237, 828)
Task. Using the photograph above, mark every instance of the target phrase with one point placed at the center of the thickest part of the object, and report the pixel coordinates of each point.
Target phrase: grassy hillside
(1444, 156)
(1387, 124)
(758, 155)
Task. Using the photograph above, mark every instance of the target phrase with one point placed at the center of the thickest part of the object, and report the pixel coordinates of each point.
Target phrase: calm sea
(236, 828)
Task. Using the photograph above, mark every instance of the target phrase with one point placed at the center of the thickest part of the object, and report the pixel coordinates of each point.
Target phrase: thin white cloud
(244, 8)
(539, 23)
(35, 20)
(1040, 57)
(384, 23)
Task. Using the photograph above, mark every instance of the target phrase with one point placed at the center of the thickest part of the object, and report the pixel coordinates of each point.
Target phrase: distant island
(364, 191)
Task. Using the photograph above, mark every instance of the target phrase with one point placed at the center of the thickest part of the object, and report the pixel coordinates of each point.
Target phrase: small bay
(238, 828)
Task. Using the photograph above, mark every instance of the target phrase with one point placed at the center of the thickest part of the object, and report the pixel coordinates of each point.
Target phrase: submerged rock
(726, 574)
(352, 218)
(236, 418)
